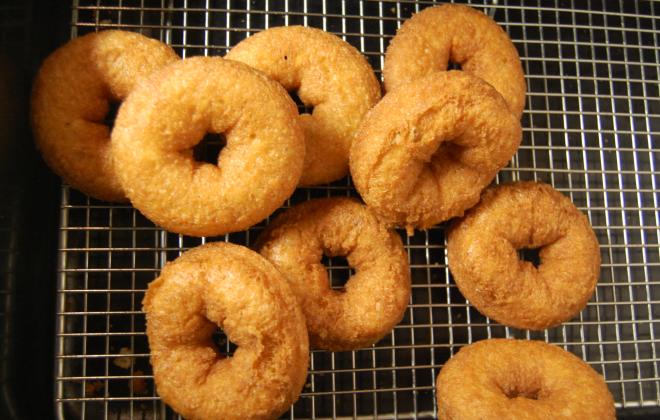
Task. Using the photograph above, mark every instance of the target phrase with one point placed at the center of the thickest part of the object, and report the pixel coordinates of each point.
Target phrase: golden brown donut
(520, 379)
(71, 96)
(374, 298)
(230, 286)
(165, 117)
(482, 252)
(327, 73)
(455, 33)
(425, 151)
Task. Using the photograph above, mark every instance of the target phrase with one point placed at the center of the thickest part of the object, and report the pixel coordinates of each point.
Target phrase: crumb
(393, 10)
(123, 362)
(92, 388)
(139, 384)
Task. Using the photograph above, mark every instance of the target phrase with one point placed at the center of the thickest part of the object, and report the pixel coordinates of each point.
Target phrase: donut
(167, 115)
(328, 74)
(220, 284)
(432, 38)
(482, 254)
(71, 97)
(426, 150)
(520, 379)
(374, 298)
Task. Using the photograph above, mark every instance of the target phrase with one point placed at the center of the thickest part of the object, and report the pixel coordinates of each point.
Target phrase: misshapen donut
(328, 74)
(425, 151)
(232, 287)
(432, 38)
(520, 379)
(165, 117)
(71, 97)
(483, 258)
(375, 297)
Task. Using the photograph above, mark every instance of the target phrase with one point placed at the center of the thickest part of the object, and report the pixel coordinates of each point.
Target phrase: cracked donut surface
(424, 153)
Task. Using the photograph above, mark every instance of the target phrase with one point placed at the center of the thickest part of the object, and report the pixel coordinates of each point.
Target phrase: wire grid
(590, 124)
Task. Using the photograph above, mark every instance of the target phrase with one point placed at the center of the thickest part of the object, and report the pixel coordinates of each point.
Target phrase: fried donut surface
(432, 38)
(70, 99)
(327, 73)
(165, 117)
(235, 288)
(425, 151)
(375, 297)
(520, 379)
(482, 252)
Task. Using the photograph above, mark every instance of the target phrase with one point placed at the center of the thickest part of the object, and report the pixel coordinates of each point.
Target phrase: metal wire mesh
(590, 125)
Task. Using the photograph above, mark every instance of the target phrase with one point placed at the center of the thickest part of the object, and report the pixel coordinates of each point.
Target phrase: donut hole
(111, 115)
(222, 344)
(451, 65)
(339, 271)
(530, 255)
(208, 150)
(515, 392)
(303, 108)
(450, 149)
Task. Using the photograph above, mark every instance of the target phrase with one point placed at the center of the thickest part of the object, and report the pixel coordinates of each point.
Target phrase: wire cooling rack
(590, 129)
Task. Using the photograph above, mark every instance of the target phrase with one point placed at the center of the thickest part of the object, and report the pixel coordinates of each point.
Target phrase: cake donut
(456, 33)
(328, 74)
(374, 298)
(520, 379)
(482, 254)
(164, 118)
(71, 97)
(229, 286)
(425, 152)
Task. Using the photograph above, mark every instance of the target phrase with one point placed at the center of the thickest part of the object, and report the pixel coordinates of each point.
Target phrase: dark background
(28, 216)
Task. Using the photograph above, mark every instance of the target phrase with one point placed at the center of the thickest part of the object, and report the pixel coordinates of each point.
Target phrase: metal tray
(590, 125)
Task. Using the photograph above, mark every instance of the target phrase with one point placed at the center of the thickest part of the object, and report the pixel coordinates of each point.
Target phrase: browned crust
(70, 99)
(432, 38)
(327, 73)
(520, 379)
(235, 288)
(425, 151)
(482, 256)
(166, 116)
(375, 297)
